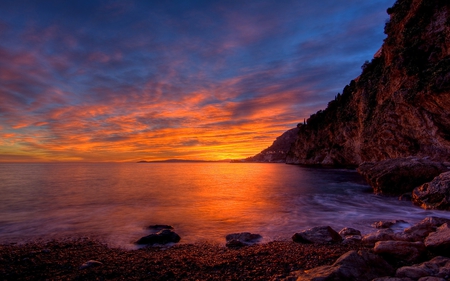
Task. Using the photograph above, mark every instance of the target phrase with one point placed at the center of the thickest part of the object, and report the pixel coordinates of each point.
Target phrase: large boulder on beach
(421, 230)
(348, 231)
(439, 242)
(400, 250)
(379, 235)
(241, 239)
(317, 235)
(434, 194)
(438, 267)
(162, 237)
(400, 175)
(357, 266)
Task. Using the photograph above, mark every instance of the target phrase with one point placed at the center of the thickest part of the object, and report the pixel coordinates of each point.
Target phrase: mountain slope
(399, 106)
(277, 152)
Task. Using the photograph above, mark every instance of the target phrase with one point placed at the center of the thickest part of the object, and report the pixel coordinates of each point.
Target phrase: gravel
(87, 259)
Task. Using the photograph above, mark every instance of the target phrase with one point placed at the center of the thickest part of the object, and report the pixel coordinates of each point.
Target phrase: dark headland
(393, 122)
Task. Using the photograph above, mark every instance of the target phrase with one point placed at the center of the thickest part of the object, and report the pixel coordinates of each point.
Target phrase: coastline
(62, 259)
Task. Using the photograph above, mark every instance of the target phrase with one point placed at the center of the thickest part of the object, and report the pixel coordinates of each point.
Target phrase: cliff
(278, 151)
(400, 104)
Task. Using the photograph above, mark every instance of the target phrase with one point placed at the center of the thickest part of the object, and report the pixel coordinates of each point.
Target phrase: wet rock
(159, 227)
(400, 175)
(439, 242)
(434, 194)
(90, 263)
(317, 235)
(400, 250)
(437, 267)
(162, 237)
(352, 239)
(405, 197)
(236, 240)
(388, 224)
(422, 229)
(348, 231)
(380, 235)
(352, 265)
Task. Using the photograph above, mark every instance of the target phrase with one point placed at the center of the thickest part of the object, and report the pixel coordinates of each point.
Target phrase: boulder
(159, 227)
(400, 175)
(317, 235)
(236, 240)
(419, 231)
(439, 242)
(352, 239)
(380, 235)
(162, 237)
(434, 194)
(348, 231)
(437, 267)
(400, 250)
(357, 266)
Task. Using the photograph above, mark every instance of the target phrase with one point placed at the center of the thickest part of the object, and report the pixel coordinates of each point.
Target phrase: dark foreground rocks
(400, 175)
(434, 194)
(317, 235)
(63, 259)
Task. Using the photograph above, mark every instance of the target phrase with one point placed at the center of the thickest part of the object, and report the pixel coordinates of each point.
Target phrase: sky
(124, 81)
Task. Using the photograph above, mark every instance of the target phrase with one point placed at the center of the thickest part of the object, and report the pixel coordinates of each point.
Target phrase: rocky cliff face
(278, 151)
(400, 104)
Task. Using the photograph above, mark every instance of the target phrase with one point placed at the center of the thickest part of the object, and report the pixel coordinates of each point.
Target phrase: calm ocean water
(203, 201)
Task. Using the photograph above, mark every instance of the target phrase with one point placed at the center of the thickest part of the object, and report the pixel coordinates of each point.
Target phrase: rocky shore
(418, 252)
(85, 259)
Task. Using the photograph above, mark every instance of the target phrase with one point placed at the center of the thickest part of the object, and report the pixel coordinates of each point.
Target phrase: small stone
(235, 240)
(90, 263)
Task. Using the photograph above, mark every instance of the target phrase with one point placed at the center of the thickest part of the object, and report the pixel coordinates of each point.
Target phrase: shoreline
(63, 259)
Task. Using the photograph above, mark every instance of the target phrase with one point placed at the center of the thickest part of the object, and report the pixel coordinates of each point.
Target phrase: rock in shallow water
(317, 235)
(162, 237)
(400, 175)
(241, 239)
(434, 194)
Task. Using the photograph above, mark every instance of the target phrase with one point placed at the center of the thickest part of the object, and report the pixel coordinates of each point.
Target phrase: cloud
(142, 80)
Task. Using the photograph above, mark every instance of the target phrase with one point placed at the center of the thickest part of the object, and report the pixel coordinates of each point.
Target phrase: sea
(116, 202)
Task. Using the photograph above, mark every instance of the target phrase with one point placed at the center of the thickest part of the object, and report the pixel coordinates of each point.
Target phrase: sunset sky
(152, 80)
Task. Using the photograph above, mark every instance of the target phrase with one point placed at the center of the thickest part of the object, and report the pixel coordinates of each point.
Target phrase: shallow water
(203, 201)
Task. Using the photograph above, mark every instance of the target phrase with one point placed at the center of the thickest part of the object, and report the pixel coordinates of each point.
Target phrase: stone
(434, 194)
(400, 250)
(400, 175)
(236, 240)
(421, 230)
(90, 263)
(380, 235)
(317, 235)
(388, 224)
(162, 237)
(159, 227)
(437, 267)
(353, 265)
(348, 231)
(439, 242)
(352, 239)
